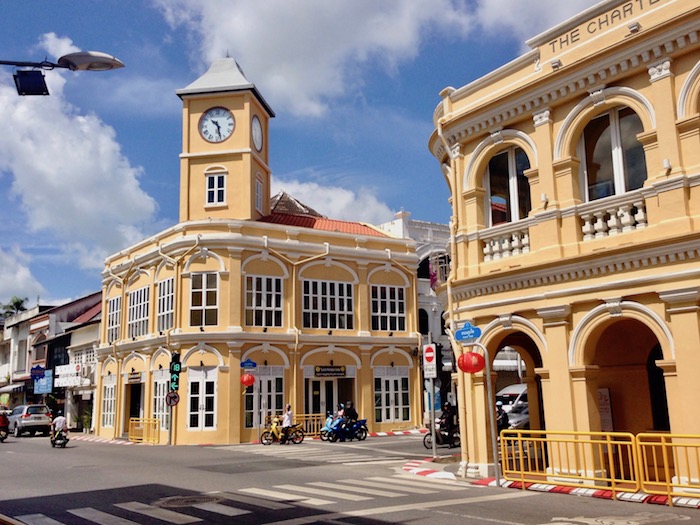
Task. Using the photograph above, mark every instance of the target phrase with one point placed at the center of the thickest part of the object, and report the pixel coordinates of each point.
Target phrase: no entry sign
(429, 362)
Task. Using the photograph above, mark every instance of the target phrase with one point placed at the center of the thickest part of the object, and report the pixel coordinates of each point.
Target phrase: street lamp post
(31, 81)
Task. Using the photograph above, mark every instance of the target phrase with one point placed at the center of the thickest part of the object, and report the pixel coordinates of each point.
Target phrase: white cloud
(306, 54)
(16, 277)
(69, 176)
(524, 19)
(337, 203)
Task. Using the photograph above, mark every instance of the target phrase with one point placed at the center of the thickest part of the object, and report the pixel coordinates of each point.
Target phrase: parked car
(512, 395)
(519, 417)
(30, 418)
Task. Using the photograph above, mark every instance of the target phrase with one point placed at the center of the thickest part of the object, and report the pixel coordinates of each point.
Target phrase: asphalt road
(314, 482)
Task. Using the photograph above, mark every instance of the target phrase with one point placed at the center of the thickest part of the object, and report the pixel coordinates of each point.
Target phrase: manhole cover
(185, 501)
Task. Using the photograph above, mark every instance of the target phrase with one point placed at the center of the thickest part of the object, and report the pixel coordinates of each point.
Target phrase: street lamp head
(89, 61)
(31, 82)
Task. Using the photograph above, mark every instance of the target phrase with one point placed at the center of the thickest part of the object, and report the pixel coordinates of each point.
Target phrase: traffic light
(446, 358)
(175, 369)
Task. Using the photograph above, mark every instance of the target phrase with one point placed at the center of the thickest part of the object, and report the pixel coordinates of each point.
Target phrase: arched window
(507, 188)
(613, 160)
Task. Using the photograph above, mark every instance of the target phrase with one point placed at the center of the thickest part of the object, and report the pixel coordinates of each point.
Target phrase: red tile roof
(322, 223)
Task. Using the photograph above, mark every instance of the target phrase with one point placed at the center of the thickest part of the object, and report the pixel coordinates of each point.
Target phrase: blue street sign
(467, 332)
(248, 364)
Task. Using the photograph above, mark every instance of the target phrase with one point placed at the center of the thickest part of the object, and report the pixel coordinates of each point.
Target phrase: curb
(422, 468)
(418, 431)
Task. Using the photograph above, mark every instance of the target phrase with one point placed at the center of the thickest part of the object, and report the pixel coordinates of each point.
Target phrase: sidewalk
(447, 467)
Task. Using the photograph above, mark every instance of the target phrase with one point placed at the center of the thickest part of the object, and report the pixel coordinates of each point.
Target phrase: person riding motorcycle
(59, 423)
(447, 421)
(4, 425)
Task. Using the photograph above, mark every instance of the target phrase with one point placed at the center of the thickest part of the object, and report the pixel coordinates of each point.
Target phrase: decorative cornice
(560, 87)
(660, 70)
(584, 268)
(542, 117)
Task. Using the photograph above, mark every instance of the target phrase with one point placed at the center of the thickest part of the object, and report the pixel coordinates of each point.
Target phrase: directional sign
(429, 362)
(248, 364)
(467, 333)
(172, 399)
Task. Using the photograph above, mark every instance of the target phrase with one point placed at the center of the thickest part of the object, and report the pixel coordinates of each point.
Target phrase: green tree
(15, 306)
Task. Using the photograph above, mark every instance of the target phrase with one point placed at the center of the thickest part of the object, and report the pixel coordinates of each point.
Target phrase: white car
(511, 395)
(519, 417)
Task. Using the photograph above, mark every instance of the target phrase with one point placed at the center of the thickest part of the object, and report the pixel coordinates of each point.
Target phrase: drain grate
(185, 501)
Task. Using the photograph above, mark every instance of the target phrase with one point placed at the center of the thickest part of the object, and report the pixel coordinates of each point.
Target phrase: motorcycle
(274, 432)
(4, 427)
(441, 437)
(348, 430)
(59, 438)
(331, 424)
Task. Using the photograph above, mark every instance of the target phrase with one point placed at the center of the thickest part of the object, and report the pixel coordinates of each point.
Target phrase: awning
(12, 387)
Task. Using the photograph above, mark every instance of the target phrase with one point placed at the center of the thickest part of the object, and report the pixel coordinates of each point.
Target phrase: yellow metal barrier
(594, 460)
(669, 464)
(313, 423)
(144, 430)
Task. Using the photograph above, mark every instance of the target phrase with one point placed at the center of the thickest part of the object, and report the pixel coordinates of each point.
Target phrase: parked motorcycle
(273, 433)
(59, 438)
(348, 430)
(4, 427)
(441, 437)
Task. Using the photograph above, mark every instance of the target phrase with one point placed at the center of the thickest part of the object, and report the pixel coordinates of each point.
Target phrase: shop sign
(37, 372)
(64, 381)
(329, 371)
(134, 377)
(44, 385)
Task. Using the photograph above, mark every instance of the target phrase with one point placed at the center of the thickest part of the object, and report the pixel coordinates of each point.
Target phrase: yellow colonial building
(324, 311)
(574, 173)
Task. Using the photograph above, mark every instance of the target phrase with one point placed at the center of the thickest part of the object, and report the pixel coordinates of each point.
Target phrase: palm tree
(15, 306)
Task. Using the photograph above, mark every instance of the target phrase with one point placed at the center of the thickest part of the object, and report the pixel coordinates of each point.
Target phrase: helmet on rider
(59, 413)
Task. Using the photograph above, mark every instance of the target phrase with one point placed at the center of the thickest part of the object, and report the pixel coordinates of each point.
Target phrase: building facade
(318, 311)
(575, 179)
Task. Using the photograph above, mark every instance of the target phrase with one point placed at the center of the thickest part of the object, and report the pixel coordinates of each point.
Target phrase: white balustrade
(612, 217)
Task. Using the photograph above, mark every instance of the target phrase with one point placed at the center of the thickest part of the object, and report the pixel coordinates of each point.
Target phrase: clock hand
(218, 128)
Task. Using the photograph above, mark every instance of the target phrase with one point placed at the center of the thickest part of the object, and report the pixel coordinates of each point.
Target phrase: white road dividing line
(324, 493)
(402, 508)
(365, 483)
(218, 508)
(37, 519)
(424, 483)
(360, 490)
(97, 516)
(279, 496)
(155, 512)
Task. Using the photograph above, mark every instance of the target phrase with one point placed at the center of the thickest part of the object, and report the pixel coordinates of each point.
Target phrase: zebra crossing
(320, 454)
(218, 506)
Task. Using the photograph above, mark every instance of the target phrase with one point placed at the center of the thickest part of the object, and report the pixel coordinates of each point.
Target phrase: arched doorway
(631, 385)
(522, 358)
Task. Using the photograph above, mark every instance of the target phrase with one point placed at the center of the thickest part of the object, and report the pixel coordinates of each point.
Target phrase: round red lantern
(471, 362)
(248, 379)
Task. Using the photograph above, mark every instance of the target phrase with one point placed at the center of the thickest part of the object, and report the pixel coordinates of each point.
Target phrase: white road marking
(37, 519)
(280, 496)
(97, 516)
(158, 513)
(360, 490)
(324, 493)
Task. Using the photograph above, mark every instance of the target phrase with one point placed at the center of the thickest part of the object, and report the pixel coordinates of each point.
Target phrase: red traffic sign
(172, 399)
(429, 363)
(429, 353)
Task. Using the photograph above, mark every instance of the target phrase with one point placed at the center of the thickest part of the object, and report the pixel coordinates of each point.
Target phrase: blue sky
(94, 167)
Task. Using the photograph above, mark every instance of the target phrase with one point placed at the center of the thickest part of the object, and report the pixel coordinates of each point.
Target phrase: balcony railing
(612, 216)
(507, 240)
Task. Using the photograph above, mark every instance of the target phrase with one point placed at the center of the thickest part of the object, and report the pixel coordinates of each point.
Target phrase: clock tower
(224, 170)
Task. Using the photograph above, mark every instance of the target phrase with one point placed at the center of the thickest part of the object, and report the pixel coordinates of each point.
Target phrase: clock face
(216, 124)
(257, 133)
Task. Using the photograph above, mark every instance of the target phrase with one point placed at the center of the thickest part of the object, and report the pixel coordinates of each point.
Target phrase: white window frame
(259, 194)
(264, 301)
(205, 414)
(392, 400)
(618, 159)
(161, 386)
(327, 303)
(215, 190)
(109, 390)
(388, 306)
(166, 304)
(204, 307)
(137, 324)
(114, 316)
(513, 190)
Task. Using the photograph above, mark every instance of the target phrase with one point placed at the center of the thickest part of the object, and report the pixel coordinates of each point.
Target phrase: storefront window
(391, 394)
